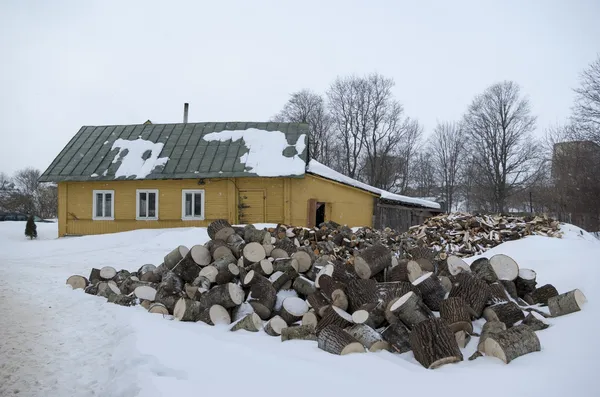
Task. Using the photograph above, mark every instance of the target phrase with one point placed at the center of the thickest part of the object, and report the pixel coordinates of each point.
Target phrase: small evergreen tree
(30, 228)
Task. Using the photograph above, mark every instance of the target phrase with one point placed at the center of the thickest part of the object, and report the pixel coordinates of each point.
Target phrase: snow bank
(322, 170)
(59, 342)
(137, 162)
(265, 151)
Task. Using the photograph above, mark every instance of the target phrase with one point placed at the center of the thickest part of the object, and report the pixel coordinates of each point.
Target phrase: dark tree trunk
(409, 309)
(372, 314)
(474, 291)
(525, 282)
(543, 294)
(368, 337)
(483, 269)
(334, 315)
(512, 343)
(360, 292)
(398, 337)
(535, 323)
(433, 344)
(432, 291)
(227, 295)
(372, 260)
(262, 295)
(457, 314)
(508, 313)
(333, 339)
(219, 229)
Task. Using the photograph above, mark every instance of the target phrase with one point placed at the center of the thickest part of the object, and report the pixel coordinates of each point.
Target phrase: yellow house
(124, 177)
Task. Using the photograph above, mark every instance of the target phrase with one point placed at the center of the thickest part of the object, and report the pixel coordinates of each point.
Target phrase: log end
(354, 347)
(444, 361)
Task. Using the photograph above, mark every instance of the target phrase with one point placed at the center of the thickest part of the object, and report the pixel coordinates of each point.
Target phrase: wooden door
(251, 206)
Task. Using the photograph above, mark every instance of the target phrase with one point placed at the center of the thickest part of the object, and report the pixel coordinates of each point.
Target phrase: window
(192, 204)
(104, 205)
(147, 205)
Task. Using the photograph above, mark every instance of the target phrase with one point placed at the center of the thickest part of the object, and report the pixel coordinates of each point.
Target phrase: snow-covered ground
(58, 342)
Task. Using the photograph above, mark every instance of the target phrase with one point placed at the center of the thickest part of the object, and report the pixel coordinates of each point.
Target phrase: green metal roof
(184, 153)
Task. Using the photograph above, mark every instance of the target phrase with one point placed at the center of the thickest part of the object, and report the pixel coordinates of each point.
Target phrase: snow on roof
(322, 170)
(141, 157)
(265, 155)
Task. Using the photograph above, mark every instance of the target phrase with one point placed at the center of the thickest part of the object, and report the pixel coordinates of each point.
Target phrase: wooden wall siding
(345, 204)
(398, 218)
(220, 202)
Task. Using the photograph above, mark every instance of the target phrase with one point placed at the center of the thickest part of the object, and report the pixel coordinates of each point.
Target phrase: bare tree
(586, 112)
(447, 148)
(377, 139)
(309, 107)
(5, 182)
(499, 126)
(423, 176)
(27, 180)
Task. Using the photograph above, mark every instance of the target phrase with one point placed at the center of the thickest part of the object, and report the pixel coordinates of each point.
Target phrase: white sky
(71, 63)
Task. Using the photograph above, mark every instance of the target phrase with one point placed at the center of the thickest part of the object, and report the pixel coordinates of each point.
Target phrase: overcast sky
(65, 64)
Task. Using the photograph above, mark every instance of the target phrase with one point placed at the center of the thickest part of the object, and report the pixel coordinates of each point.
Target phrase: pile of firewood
(464, 234)
(350, 291)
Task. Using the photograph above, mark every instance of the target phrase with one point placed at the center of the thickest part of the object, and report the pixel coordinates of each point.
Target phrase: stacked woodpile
(465, 235)
(348, 291)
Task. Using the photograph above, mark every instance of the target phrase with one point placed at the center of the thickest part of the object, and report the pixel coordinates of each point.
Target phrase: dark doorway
(320, 218)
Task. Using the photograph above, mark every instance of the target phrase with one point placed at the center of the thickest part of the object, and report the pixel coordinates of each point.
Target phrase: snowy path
(58, 342)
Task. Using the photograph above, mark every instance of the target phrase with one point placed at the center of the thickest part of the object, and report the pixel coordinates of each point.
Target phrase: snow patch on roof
(133, 162)
(265, 151)
(319, 169)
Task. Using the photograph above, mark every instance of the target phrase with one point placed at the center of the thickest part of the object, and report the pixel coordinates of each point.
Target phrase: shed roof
(181, 151)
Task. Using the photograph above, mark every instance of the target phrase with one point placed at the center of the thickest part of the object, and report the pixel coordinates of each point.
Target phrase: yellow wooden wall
(286, 201)
(345, 204)
(76, 201)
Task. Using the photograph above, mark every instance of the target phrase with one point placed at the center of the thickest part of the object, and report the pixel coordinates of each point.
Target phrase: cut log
(292, 309)
(304, 259)
(77, 282)
(300, 332)
(510, 288)
(122, 300)
(368, 337)
(262, 294)
(286, 245)
(344, 272)
(446, 283)
(456, 265)
(95, 276)
(569, 302)
(236, 244)
(226, 271)
(371, 314)
(187, 310)
(303, 286)
(512, 343)
(372, 260)
(283, 264)
(505, 267)
(388, 291)
(407, 270)
(253, 235)
(264, 267)
(210, 272)
(535, 323)
(525, 282)
(318, 302)
(497, 294)
(203, 284)
(274, 326)
(219, 229)
(434, 344)
(107, 273)
(398, 336)
(482, 268)
(432, 291)
(360, 292)
(333, 339)
(171, 283)
(147, 268)
(227, 295)
(334, 315)
(145, 292)
(92, 289)
(187, 268)
(223, 252)
(462, 339)
(327, 269)
(215, 315)
(251, 323)
(474, 291)
(121, 276)
(489, 328)
(409, 309)
(542, 294)
(285, 279)
(166, 299)
(151, 277)
(107, 289)
(268, 249)
(192, 291)
(200, 255)
(310, 318)
(277, 253)
(253, 252)
(158, 308)
(173, 257)
(457, 314)
(508, 313)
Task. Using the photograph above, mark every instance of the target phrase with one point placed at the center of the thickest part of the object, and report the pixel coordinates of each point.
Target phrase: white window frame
(137, 205)
(112, 205)
(192, 191)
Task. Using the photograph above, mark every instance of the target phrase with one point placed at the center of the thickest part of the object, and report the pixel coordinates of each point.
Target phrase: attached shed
(124, 177)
